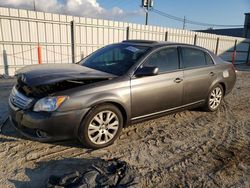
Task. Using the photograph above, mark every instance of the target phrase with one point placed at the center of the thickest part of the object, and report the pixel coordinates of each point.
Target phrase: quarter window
(165, 60)
(209, 59)
(193, 58)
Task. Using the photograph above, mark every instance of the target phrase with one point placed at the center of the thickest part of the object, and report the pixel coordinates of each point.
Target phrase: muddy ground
(187, 149)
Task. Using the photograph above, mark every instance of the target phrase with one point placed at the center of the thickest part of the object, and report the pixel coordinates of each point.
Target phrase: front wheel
(101, 126)
(214, 98)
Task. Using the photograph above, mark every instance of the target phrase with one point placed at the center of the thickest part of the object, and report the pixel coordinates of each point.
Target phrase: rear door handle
(211, 73)
(178, 80)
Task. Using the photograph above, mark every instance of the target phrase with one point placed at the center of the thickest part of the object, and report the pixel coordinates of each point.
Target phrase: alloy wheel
(215, 98)
(103, 127)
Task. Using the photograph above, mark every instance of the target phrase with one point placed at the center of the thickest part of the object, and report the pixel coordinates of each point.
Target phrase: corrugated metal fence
(64, 38)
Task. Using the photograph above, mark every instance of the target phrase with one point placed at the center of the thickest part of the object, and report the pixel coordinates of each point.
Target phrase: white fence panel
(22, 31)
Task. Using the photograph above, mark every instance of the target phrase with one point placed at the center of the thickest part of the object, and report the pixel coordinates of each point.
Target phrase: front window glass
(115, 59)
(165, 60)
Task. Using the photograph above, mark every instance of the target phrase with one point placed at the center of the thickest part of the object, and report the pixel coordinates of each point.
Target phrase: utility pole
(146, 22)
(34, 5)
(147, 4)
(184, 23)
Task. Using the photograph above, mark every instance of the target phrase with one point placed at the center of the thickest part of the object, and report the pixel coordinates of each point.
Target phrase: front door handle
(178, 80)
(211, 73)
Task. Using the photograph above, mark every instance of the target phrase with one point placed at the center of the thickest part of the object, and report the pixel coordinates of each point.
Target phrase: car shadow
(38, 176)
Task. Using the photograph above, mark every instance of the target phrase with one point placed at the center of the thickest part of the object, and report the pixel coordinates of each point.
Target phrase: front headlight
(49, 104)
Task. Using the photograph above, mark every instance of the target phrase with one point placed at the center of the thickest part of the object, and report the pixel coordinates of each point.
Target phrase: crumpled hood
(35, 75)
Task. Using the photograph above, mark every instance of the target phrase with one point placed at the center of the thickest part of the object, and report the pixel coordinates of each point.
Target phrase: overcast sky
(229, 12)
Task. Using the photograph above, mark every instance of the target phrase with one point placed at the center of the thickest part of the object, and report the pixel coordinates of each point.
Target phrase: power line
(164, 14)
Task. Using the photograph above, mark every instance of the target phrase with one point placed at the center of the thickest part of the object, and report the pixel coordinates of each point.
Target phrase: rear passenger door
(198, 74)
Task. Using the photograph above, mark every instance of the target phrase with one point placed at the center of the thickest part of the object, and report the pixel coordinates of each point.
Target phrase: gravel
(187, 149)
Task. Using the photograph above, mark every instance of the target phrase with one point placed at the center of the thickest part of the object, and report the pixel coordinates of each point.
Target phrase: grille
(19, 100)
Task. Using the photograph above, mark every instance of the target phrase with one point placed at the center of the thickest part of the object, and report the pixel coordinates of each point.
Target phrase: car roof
(152, 43)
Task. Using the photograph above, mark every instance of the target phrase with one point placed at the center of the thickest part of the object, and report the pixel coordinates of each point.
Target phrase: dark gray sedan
(115, 86)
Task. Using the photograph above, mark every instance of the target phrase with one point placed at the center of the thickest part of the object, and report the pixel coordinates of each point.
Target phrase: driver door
(151, 95)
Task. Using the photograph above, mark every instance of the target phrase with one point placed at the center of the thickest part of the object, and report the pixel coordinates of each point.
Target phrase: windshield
(115, 59)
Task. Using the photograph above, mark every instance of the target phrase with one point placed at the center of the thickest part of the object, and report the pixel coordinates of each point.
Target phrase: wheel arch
(116, 104)
(218, 82)
(223, 86)
(123, 111)
(120, 107)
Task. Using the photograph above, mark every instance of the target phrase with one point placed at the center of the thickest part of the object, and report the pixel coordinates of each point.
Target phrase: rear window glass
(193, 58)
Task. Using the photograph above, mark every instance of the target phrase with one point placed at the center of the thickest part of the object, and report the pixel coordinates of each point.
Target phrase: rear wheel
(214, 98)
(101, 126)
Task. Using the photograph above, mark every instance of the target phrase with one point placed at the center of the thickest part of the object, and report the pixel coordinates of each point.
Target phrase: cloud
(87, 8)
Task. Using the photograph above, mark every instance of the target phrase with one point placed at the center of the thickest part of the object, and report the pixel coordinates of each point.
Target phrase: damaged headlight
(49, 104)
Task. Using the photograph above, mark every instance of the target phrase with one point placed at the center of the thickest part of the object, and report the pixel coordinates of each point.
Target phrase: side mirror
(146, 71)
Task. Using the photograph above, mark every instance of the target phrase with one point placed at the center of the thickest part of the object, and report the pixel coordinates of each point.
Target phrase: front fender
(121, 100)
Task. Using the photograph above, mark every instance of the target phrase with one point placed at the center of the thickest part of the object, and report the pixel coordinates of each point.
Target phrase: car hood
(35, 75)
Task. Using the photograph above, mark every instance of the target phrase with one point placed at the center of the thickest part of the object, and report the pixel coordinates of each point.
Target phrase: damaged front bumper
(46, 127)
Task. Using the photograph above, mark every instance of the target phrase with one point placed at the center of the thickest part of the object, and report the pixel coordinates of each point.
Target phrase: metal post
(5, 61)
(73, 44)
(195, 39)
(234, 52)
(217, 46)
(127, 33)
(39, 54)
(248, 55)
(82, 55)
(166, 36)
(146, 22)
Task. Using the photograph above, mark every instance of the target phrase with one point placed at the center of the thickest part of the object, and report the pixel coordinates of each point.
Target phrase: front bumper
(45, 127)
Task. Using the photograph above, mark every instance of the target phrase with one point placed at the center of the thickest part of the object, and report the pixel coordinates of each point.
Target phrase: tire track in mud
(225, 146)
(194, 155)
(234, 149)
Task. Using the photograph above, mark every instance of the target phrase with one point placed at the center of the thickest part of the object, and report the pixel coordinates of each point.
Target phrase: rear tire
(214, 98)
(101, 127)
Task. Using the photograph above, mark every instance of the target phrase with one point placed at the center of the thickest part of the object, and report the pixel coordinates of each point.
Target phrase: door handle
(178, 80)
(211, 73)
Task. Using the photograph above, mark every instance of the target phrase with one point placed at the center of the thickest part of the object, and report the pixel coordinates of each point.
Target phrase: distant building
(234, 32)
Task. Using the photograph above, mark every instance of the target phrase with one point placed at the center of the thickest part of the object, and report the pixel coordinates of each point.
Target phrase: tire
(96, 131)
(214, 98)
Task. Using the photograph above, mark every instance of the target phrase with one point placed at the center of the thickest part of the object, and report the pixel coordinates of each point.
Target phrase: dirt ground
(187, 149)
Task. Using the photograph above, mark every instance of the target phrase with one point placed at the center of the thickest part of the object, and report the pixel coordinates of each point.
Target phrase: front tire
(101, 127)
(214, 98)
